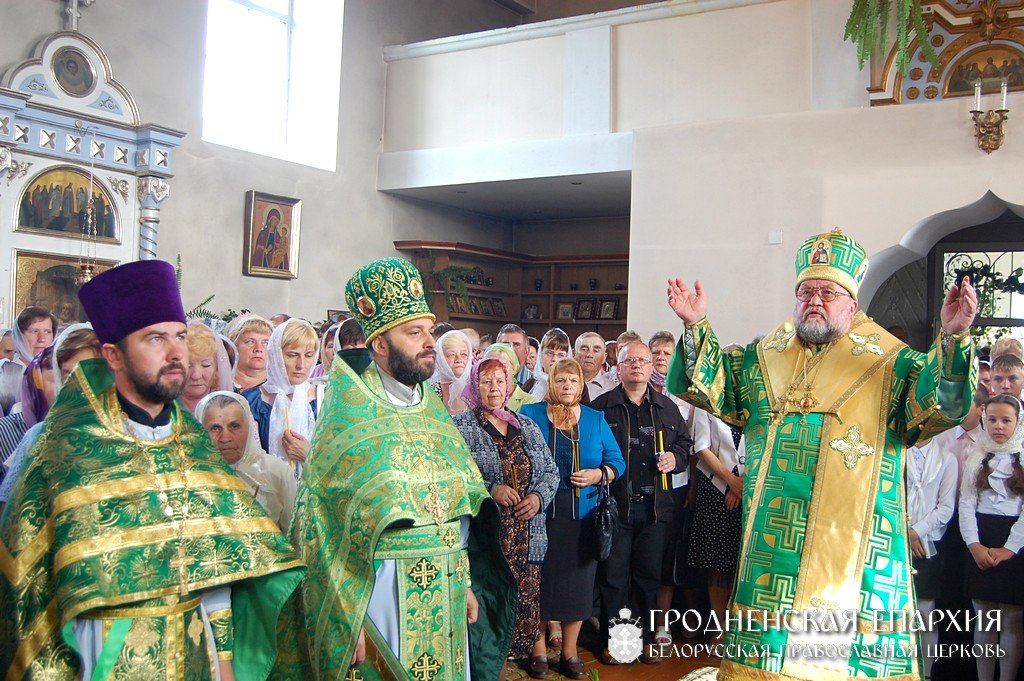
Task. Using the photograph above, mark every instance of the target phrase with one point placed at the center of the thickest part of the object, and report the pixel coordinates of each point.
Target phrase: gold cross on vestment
(354, 674)
(423, 573)
(461, 568)
(181, 564)
(852, 447)
(434, 505)
(426, 668)
(862, 344)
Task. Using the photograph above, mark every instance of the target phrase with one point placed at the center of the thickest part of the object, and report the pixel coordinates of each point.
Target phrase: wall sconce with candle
(989, 126)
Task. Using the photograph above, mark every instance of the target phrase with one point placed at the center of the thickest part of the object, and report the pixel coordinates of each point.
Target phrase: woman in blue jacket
(583, 446)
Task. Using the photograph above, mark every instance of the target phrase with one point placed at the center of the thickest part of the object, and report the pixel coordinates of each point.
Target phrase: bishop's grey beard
(818, 333)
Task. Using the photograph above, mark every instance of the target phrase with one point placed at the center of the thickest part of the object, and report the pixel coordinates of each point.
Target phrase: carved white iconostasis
(64, 119)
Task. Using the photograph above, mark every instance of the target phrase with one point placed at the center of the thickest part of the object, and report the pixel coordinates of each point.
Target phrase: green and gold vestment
(391, 483)
(107, 527)
(824, 511)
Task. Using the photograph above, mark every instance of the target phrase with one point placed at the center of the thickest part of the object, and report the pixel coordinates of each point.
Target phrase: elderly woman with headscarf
(33, 332)
(226, 417)
(507, 354)
(41, 384)
(454, 353)
(209, 367)
(285, 406)
(518, 470)
(6, 344)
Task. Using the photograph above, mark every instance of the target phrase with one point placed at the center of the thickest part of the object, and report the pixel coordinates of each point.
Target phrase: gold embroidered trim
(143, 611)
(115, 489)
(39, 633)
(152, 534)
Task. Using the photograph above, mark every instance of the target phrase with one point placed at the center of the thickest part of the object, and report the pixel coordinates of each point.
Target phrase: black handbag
(606, 518)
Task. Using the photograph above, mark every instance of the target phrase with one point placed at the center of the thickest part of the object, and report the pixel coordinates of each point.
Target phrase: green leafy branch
(868, 28)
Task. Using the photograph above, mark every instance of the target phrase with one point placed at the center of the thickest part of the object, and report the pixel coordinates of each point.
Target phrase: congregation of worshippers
(256, 384)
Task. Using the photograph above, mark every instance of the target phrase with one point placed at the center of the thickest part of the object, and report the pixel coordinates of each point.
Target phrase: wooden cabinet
(574, 293)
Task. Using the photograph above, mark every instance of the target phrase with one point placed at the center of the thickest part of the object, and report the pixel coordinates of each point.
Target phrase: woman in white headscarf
(285, 406)
(33, 332)
(226, 417)
(451, 369)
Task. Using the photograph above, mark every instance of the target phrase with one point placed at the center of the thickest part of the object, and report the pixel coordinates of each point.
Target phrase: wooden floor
(670, 670)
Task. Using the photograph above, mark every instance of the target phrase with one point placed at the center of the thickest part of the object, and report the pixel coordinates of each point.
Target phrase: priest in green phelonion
(129, 549)
(407, 579)
(828, 402)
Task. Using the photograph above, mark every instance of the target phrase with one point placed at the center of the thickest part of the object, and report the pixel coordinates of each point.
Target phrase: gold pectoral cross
(181, 564)
(852, 447)
(434, 505)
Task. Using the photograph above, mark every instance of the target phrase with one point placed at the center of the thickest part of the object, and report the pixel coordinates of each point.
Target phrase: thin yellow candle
(661, 448)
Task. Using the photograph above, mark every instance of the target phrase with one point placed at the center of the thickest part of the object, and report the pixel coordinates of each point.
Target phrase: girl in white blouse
(991, 495)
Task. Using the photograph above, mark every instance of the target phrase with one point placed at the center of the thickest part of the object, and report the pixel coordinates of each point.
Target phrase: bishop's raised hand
(690, 306)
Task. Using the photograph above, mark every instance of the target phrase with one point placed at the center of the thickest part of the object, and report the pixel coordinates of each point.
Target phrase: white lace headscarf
(289, 399)
(539, 375)
(443, 372)
(226, 381)
(999, 470)
(250, 466)
(61, 338)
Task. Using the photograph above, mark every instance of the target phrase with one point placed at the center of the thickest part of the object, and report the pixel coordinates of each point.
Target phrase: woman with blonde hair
(209, 368)
(586, 454)
(285, 406)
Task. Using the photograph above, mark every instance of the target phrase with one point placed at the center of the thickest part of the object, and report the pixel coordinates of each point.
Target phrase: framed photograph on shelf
(585, 308)
(499, 308)
(531, 312)
(474, 305)
(51, 282)
(564, 311)
(609, 309)
(485, 307)
(271, 236)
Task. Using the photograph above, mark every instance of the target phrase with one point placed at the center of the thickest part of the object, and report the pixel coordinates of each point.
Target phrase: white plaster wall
(156, 50)
(505, 92)
(706, 196)
(717, 65)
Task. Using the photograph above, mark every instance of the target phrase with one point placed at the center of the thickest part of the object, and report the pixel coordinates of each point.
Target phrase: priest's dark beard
(154, 391)
(404, 368)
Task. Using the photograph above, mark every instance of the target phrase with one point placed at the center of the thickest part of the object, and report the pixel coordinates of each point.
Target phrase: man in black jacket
(655, 443)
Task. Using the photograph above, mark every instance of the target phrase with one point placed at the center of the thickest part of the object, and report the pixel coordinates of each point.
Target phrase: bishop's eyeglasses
(827, 295)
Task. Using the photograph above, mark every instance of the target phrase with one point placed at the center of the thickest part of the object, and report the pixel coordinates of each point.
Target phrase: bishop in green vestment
(129, 549)
(828, 402)
(407, 579)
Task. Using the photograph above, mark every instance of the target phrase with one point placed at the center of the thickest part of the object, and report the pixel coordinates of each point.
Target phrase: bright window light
(273, 70)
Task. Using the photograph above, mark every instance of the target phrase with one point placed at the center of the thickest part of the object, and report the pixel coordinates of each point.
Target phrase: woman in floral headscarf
(520, 472)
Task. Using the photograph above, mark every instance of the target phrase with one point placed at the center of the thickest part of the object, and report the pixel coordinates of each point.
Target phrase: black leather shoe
(572, 668)
(537, 667)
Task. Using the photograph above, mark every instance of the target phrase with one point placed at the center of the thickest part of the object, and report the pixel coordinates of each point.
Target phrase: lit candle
(977, 95)
(1002, 90)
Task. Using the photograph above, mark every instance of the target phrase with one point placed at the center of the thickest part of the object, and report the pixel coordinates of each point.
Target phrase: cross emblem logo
(426, 667)
(852, 447)
(434, 505)
(862, 344)
(423, 573)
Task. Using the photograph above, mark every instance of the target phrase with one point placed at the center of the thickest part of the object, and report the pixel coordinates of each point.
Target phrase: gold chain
(806, 402)
(182, 562)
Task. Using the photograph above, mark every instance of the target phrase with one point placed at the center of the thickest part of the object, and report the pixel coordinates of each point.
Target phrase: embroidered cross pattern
(354, 675)
(450, 537)
(426, 668)
(852, 447)
(862, 344)
(423, 573)
(778, 341)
